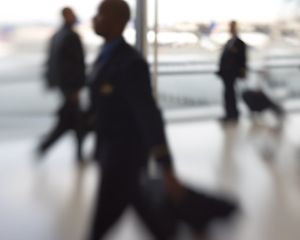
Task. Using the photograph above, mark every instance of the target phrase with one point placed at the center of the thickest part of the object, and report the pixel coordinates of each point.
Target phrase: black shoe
(229, 119)
(80, 161)
(38, 153)
(279, 112)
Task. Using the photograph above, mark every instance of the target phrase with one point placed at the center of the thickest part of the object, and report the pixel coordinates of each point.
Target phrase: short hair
(233, 22)
(120, 8)
(65, 10)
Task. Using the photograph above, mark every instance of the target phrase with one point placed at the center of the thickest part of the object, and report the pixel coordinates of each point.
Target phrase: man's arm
(74, 60)
(138, 93)
(48, 74)
(242, 61)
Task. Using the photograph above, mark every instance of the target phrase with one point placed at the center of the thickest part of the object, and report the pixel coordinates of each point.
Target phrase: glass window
(25, 32)
(191, 37)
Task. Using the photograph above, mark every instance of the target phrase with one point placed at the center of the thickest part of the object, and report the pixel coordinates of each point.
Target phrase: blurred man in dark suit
(128, 125)
(232, 66)
(66, 71)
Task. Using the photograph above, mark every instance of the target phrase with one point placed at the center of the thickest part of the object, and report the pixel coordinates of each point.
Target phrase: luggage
(154, 191)
(257, 101)
(197, 209)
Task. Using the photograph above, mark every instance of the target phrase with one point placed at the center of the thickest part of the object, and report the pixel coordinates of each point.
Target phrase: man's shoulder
(131, 52)
(72, 34)
(240, 42)
(67, 33)
(128, 55)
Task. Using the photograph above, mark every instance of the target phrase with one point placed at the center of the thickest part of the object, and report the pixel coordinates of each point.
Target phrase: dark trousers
(121, 166)
(230, 103)
(68, 119)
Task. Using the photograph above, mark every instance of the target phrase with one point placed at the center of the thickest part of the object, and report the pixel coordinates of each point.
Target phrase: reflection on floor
(255, 161)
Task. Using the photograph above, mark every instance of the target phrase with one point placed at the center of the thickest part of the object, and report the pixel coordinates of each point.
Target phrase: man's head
(69, 16)
(233, 28)
(111, 19)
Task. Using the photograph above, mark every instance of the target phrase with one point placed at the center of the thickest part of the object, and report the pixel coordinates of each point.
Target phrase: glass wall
(191, 37)
(25, 32)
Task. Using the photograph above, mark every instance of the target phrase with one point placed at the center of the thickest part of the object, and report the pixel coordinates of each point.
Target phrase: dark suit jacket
(123, 103)
(233, 59)
(65, 65)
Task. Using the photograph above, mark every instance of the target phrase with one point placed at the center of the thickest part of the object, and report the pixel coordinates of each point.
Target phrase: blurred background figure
(232, 66)
(66, 72)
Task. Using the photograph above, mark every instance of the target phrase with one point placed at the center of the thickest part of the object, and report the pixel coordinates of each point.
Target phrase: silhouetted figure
(128, 125)
(129, 128)
(66, 71)
(232, 66)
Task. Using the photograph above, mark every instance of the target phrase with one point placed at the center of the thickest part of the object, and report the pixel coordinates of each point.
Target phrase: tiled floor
(256, 161)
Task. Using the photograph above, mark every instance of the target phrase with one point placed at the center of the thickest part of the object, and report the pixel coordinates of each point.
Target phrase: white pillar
(141, 26)
(155, 60)
(141, 37)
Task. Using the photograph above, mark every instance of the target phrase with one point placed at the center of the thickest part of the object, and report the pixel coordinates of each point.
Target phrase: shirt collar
(107, 49)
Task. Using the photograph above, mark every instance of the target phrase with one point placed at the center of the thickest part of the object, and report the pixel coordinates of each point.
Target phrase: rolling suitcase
(258, 101)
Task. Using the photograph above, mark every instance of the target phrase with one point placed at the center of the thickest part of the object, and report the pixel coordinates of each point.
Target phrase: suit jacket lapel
(102, 72)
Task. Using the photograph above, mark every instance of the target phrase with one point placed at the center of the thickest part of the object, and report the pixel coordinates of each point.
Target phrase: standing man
(66, 71)
(128, 125)
(232, 66)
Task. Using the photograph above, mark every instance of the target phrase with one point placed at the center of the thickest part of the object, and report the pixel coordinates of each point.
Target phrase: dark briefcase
(197, 209)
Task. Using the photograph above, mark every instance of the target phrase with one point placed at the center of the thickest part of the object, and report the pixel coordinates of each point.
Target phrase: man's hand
(174, 188)
(75, 97)
(91, 120)
(243, 73)
(50, 86)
